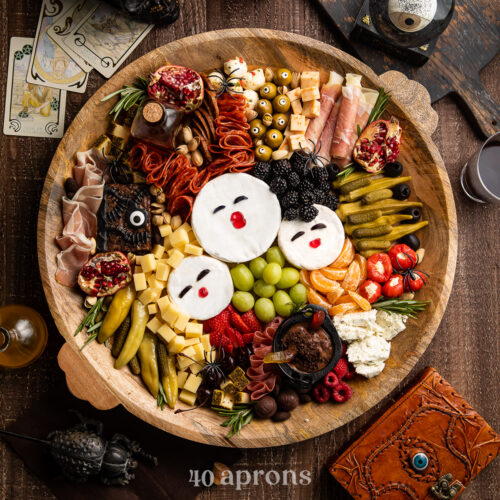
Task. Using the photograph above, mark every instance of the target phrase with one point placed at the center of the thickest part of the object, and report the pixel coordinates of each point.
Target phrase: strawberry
(218, 323)
(248, 338)
(239, 338)
(231, 333)
(216, 339)
(342, 368)
(236, 321)
(251, 321)
(341, 392)
(228, 348)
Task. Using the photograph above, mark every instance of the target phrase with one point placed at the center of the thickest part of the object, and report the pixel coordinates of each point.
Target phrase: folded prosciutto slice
(326, 137)
(346, 119)
(329, 94)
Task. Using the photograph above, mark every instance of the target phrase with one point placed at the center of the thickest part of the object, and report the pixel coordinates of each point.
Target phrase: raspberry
(344, 349)
(251, 321)
(341, 368)
(293, 179)
(261, 170)
(330, 201)
(321, 393)
(290, 199)
(308, 213)
(236, 321)
(331, 380)
(351, 372)
(278, 185)
(280, 168)
(291, 213)
(341, 392)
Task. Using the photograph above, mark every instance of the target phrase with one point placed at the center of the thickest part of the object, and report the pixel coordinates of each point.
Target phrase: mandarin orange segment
(353, 277)
(361, 301)
(304, 278)
(343, 308)
(333, 273)
(344, 299)
(321, 283)
(363, 266)
(335, 294)
(346, 255)
(314, 297)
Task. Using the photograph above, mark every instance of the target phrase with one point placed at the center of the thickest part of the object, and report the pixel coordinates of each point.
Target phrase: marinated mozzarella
(373, 349)
(236, 217)
(254, 79)
(236, 67)
(315, 244)
(201, 286)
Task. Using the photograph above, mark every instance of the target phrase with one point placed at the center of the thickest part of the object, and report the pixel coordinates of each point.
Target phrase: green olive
(283, 76)
(281, 103)
(263, 153)
(257, 128)
(268, 91)
(280, 121)
(264, 106)
(273, 138)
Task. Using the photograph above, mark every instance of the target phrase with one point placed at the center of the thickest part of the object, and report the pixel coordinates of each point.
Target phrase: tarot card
(30, 110)
(74, 12)
(106, 37)
(50, 65)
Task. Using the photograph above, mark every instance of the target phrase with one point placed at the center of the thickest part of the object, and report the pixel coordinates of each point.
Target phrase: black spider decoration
(118, 171)
(411, 273)
(313, 158)
(227, 84)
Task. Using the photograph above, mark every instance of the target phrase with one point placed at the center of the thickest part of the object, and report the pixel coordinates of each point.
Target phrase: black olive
(411, 240)
(332, 170)
(414, 212)
(204, 395)
(393, 169)
(401, 191)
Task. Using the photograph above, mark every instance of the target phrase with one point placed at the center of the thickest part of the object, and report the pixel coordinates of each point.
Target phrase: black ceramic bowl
(300, 380)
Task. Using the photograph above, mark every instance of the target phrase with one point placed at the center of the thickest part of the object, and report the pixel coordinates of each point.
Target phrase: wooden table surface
(465, 350)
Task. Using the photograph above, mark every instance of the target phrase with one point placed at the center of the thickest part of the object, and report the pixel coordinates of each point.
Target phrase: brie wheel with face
(315, 244)
(236, 217)
(201, 286)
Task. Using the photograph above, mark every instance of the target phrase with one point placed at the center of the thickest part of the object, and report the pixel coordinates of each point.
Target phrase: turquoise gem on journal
(420, 461)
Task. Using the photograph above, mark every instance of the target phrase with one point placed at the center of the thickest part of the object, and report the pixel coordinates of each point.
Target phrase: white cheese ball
(369, 370)
(236, 67)
(252, 98)
(372, 349)
(254, 80)
(215, 78)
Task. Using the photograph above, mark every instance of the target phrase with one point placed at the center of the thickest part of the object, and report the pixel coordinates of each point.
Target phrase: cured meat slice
(328, 131)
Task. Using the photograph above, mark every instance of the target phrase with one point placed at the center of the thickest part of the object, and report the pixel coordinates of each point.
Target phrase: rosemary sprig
(404, 307)
(89, 322)
(236, 419)
(161, 398)
(380, 105)
(346, 172)
(128, 96)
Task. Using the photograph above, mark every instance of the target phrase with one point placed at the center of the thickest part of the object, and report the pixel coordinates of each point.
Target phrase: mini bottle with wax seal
(157, 123)
(23, 336)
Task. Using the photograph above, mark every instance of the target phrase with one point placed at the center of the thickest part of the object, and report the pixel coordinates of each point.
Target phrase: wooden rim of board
(274, 48)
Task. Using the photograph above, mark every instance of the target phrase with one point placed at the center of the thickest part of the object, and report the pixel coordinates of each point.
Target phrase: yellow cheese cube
(149, 295)
(171, 314)
(179, 238)
(193, 249)
(165, 333)
(137, 269)
(191, 236)
(205, 341)
(138, 260)
(165, 230)
(152, 309)
(297, 107)
(166, 243)
(158, 251)
(310, 94)
(184, 363)
(298, 141)
(176, 222)
(192, 383)
(309, 79)
(175, 258)
(154, 324)
(162, 271)
(187, 397)
(182, 321)
(163, 303)
(154, 283)
(181, 379)
(298, 123)
(196, 368)
(186, 226)
(198, 352)
(192, 341)
(148, 263)
(311, 109)
(176, 344)
(193, 330)
(294, 95)
(140, 282)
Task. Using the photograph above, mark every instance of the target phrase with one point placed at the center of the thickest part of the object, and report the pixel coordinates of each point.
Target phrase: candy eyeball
(236, 67)
(254, 79)
(252, 98)
(215, 78)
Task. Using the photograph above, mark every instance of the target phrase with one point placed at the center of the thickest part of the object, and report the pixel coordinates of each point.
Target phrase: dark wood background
(466, 348)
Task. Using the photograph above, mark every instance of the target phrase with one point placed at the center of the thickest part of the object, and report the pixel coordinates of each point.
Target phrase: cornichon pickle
(379, 194)
(149, 363)
(120, 336)
(134, 366)
(369, 244)
(356, 184)
(355, 175)
(364, 217)
(404, 229)
(370, 232)
(389, 206)
(386, 219)
(374, 185)
(168, 375)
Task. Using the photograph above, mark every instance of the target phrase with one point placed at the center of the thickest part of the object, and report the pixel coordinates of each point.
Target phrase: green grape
(272, 273)
(289, 277)
(274, 254)
(298, 293)
(263, 289)
(264, 310)
(283, 303)
(243, 301)
(257, 266)
(242, 277)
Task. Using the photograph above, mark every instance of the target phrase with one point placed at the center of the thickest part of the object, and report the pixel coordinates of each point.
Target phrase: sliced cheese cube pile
(167, 321)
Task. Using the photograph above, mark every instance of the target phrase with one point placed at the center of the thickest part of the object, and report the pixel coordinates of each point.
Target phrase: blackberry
(293, 179)
(278, 185)
(289, 199)
(307, 197)
(330, 201)
(332, 170)
(325, 187)
(308, 213)
(291, 213)
(306, 185)
(261, 170)
(298, 160)
(319, 196)
(280, 168)
(319, 175)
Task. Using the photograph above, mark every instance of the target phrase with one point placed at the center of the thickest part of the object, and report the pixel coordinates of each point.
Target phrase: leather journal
(428, 445)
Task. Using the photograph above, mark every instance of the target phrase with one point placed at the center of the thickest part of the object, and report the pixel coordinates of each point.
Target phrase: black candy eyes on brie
(219, 208)
(318, 226)
(297, 235)
(240, 198)
(137, 218)
(184, 291)
(202, 274)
